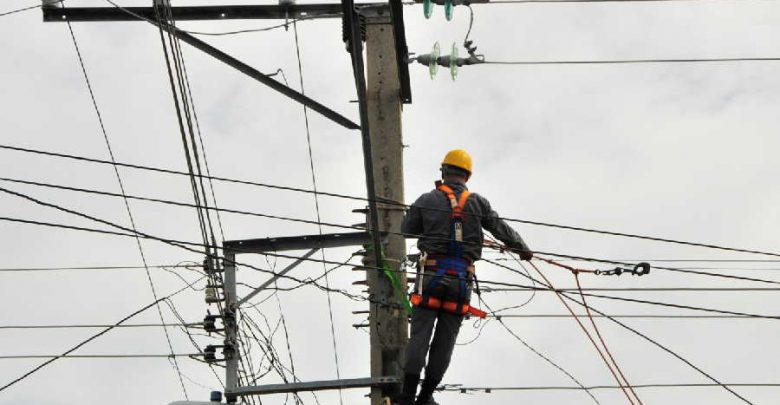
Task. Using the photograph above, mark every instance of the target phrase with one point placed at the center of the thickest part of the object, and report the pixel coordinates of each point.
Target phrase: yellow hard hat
(458, 158)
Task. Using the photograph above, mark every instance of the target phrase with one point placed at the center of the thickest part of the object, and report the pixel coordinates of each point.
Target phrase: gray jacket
(429, 218)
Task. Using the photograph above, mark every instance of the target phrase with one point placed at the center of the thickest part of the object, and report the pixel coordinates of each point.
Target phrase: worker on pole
(448, 222)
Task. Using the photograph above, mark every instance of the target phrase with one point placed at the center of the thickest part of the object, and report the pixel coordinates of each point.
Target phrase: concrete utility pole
(388, 323)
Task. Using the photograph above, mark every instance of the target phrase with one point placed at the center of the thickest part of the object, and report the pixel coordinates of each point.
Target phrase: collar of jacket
(456, 187)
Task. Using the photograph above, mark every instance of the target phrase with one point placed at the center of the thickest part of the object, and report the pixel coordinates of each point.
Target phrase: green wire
(396, 283)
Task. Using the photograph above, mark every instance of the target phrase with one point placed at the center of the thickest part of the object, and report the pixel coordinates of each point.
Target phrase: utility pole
(387, 317)
(382, 88)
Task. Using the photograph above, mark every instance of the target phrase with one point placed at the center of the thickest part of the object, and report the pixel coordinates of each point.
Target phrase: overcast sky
(683, 151)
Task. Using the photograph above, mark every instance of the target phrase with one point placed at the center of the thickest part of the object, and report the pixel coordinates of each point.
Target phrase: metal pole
(388, 320)
(230, 350)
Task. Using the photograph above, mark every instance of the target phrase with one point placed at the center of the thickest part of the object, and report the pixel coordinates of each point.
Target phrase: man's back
(430, 218)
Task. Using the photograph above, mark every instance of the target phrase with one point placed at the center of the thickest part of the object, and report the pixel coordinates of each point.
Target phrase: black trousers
(444, 328)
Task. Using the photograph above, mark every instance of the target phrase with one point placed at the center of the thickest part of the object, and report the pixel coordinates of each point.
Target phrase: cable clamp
(639, 270)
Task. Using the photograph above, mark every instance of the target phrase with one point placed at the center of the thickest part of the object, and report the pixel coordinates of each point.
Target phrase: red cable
(601, 339)
(584, 329)
(571, 269)
(576, 272)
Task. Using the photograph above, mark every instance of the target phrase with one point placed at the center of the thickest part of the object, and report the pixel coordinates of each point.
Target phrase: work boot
(430, 401)
(409, 389)
(426, 393)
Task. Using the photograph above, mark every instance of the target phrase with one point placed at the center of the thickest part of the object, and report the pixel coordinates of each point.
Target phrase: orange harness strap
(456, 203)
(449, 306)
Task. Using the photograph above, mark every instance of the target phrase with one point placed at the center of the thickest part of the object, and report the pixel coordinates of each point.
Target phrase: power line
(685, 317)
(588, 1)
(611, 364)
(640, 289)
(20, 10)
(710, 274)
(190, 113)
(632, 61)
(399, 204)
(317, 208)
(671, 269)
(263, 29)
(678, 260)
(95, 336)
(485, 282)
(124, 195)
(466, 389)
(76, 268)
(654, 342)
(643, 336)
(637, 301)
(91, 326)
(328, 289)
(175, 243)
(98, 356)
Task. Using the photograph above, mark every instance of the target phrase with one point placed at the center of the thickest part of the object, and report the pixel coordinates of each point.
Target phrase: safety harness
(451, 265)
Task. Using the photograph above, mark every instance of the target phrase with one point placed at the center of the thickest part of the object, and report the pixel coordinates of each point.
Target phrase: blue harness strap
(454, 264)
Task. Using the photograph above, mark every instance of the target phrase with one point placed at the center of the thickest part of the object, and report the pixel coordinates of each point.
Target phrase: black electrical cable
(630, 61)
(126, 203)
(76, 268)
(19, 10)
(656, 303)
(401, 205)
(671, 269)
(93, 337)
(487, 390)
(96, 356)
(486, 282)
(589, 1)
(642, 335)
(710, 274)
(175, 50)
(91, 326)
(640, 289)
(188, 104)
(317, 208)
(179, 244)
(540, 354)
(263, 29)
(37, 6)
(567, 316)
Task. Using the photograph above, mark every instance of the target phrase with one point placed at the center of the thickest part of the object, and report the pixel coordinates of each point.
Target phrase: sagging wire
(479, 324)
(648, 339)
(269, 350)
(126, 202)
(615, 373)
(538, 353)
(493, 243)
(284, 324)
(402, 205)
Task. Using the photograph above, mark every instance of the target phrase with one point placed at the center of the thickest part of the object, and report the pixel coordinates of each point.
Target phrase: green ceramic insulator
(454, 61)
(427, 8)
(433, 65)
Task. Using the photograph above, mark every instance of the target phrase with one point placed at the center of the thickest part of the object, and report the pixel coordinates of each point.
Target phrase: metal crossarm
(313, 386)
